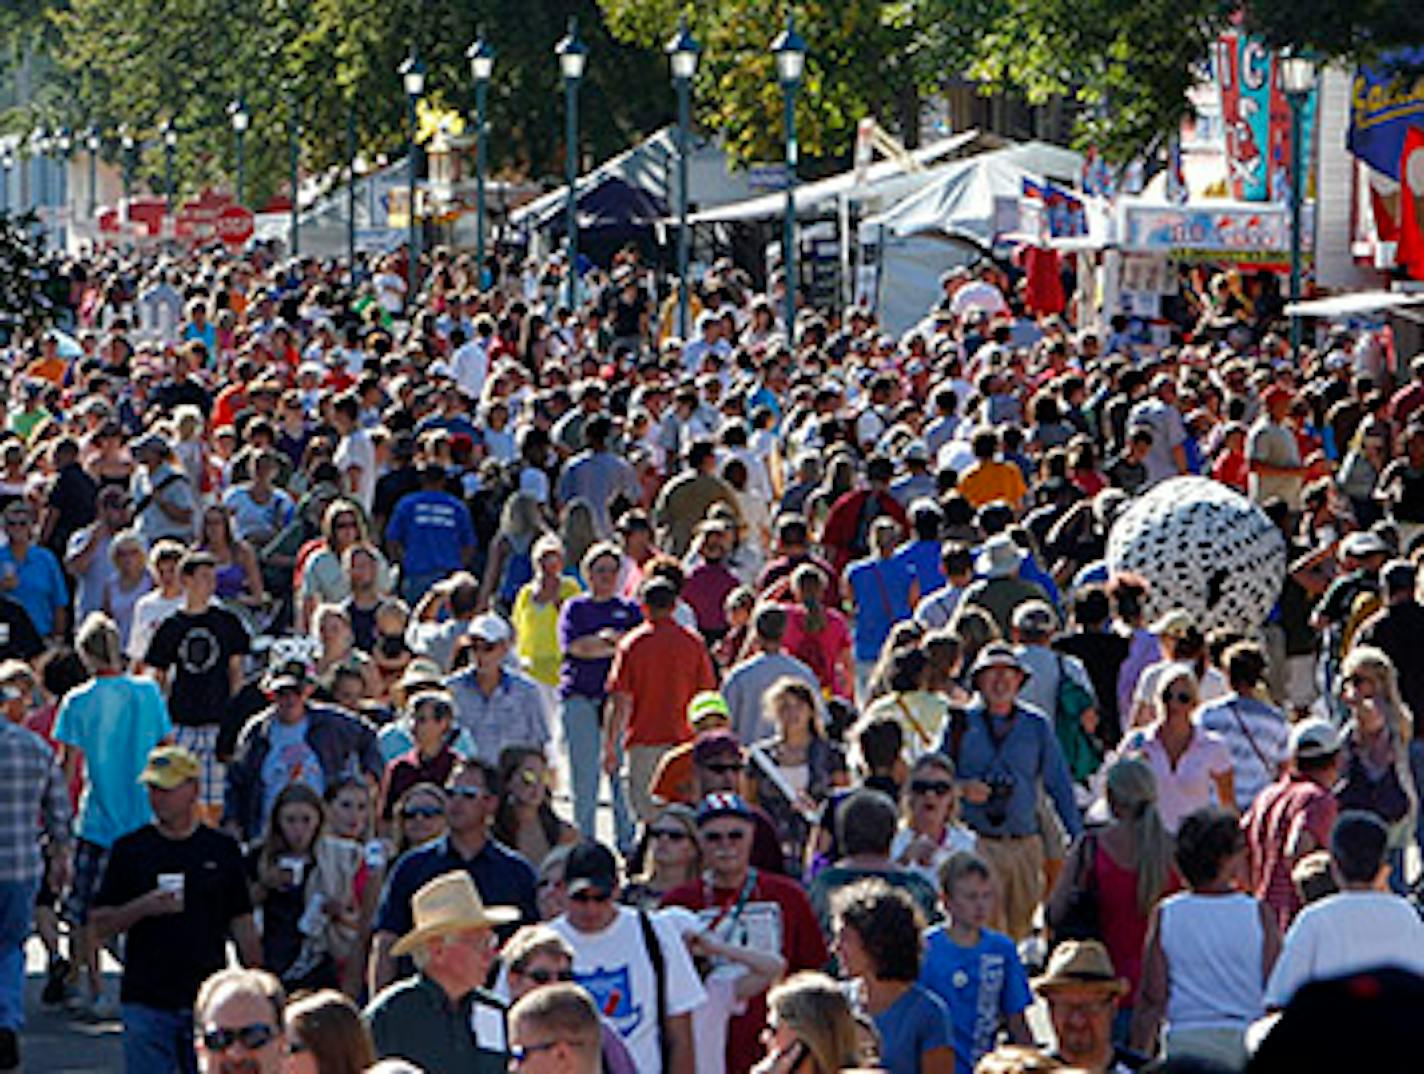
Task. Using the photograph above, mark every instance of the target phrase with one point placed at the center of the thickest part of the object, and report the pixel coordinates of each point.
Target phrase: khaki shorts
(1017, 862)
(642, 766)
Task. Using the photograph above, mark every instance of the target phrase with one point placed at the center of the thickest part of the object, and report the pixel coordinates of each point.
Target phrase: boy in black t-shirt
(177, 888)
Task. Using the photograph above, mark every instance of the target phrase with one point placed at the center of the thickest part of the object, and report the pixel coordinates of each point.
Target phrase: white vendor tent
(323, 220)
(952, 219)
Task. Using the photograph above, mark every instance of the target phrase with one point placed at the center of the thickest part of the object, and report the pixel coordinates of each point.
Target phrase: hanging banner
(1385, 101)
(1256, 116)
(1049, 211)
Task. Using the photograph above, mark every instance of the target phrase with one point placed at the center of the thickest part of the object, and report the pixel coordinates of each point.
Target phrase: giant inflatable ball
(1203, 547)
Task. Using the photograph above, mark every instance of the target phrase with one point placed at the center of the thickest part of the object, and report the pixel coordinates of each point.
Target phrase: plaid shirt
(31, 787)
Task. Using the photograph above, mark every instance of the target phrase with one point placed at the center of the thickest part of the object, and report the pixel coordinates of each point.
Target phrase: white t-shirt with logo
(614, 967)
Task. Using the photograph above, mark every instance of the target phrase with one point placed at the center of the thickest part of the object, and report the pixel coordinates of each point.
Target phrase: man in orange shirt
(988, 479)
(675, 778)
(657, 669)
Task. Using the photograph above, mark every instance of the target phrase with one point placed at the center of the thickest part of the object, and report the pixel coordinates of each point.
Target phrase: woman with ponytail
(1127, 867)
(817, 634)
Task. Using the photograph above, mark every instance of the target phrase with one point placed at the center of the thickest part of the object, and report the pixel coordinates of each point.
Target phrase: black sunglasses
(930, 786)
(418, 812)
(676, 835)
(724, 837)
(466, 792)
(543, 977)
(591, 896)
(253, 1037)
(1185, 697)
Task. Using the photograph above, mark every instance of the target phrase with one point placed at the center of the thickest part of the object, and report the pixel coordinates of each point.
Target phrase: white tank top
(1213, 948)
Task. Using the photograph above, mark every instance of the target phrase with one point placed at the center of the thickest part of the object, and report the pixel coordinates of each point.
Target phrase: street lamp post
(41, 151)
(64, 142)
(126, 140)
(412, 73)
(7, 163)
(92, 143)
(481, 57)
(573, 57)
(1297, 81)
(351, 188)
(294, 153)
(789, 52)
(239, 117)
(170, 147)
(682, 50)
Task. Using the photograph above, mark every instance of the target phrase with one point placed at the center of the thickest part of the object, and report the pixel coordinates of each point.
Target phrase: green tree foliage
(24, 300)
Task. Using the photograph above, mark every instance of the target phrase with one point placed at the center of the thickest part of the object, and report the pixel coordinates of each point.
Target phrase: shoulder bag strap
(659, 964)
(1266, 765)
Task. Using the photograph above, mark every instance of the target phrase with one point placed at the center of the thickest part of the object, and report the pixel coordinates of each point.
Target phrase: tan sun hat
(1081, 962)
(447, 904)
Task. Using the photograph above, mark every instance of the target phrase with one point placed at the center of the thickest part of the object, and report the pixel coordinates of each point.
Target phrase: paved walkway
(55, 1042)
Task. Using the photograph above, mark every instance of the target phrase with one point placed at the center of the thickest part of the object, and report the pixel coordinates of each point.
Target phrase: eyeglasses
(421, 812)
(676, 835)
(252, 1038)
(724, 837)
(519, 1053)
(543, 977)
(1185, 697)
(470, 793)
(12, 522)
(586, 896)
(931, 786)
(723, 769)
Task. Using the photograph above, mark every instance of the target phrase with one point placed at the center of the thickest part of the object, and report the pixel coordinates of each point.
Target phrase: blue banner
(1385, 101)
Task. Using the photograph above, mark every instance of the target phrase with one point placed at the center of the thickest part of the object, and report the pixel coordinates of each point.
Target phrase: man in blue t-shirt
(977, 972)
(884, 590)
(430, 534)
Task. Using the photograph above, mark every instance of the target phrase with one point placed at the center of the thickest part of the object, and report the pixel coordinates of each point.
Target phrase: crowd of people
(332, 617)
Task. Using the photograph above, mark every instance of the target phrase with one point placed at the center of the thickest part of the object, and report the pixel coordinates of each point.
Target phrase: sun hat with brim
(447, 904)
(999, 557)
(1173, 624)
(998, 655)
(1079, 963)
(169, 767)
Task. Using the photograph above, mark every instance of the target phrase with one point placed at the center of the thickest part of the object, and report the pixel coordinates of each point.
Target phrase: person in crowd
(1007, 757)
(106, 728)
(1364, 925)
(501, 876)
(634, 965)
(442, 1018)
(420, 817)
(877, 942)
(238, 1018)
(1292, 818)
(177, 891)
(818, 634)
(793, 771)
(1124, 868)
(883, 591)
(558, 1029)
(319, 568)
(976, 972)
(30, 575)
(930, 832)
(525, 819)
(672, 858)
(293, 741)
(922, 712)
(590, 629)
(535, 618)
(432, 757)
(1209, 951)
(164, 598)
(1192, 766)
(88, 553)
(1082, 991)
(658, 667)
(747, 906)
(1255, 731)
(325, 1035)
(811, 1027)
(750, 677)
(498, 707)
(430, 534)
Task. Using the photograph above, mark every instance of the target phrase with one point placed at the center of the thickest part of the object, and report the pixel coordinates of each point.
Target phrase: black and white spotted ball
(1202, 547)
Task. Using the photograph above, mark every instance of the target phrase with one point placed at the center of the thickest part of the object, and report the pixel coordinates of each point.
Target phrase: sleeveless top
(1213, 949)
(231, 579)
(1123, 925)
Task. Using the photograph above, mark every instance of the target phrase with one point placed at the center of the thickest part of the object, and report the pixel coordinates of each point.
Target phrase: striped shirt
(31, 786)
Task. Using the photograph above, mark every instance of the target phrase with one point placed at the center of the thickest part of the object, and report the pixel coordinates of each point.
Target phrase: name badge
(487, 1024)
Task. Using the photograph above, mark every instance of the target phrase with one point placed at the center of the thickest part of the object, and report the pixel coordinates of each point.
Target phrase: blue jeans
(158, 1041)
(17, 911)
(583, 741)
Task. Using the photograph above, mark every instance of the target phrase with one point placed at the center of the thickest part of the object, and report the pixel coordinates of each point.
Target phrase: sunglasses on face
(252, 1038)
(469, 793)
(1184, 697)
(422, 812)
(543, 977)
(586, 897)
(676, 835)
(519, 1054)
(724, 837)
(931, 786)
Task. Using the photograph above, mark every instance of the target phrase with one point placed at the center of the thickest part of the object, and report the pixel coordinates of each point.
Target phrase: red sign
(234, 225)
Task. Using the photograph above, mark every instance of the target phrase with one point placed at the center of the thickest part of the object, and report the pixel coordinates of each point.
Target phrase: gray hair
(98, 643)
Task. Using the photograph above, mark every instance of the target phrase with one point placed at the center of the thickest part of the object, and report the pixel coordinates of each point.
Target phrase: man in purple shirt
(589, 628)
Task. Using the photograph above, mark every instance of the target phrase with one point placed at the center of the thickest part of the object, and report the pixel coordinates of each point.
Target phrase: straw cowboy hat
(1078, 963)
(448, 904)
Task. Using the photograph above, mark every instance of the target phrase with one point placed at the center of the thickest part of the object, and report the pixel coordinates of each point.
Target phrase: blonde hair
(815, 1009)
(1398, 719)
(1132, 796)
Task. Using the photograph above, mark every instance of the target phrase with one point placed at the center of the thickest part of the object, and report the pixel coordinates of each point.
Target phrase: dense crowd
(332, 617)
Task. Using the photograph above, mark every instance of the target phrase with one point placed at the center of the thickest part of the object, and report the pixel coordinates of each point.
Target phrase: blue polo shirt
(882, 599)
(42, 590)
(432, 527)
(502, 877)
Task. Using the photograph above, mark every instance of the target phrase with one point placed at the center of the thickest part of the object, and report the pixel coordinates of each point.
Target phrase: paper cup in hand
(172, 884)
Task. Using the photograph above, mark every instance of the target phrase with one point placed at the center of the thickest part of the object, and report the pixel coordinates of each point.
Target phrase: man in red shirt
(657, 669)
(1293, 816)
(748, 906)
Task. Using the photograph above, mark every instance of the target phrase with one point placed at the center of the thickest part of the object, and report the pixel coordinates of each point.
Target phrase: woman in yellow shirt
(535, 617)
